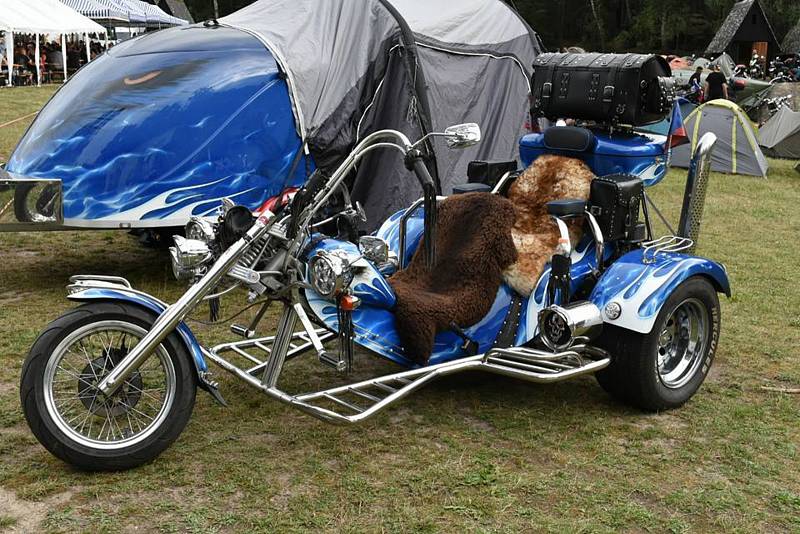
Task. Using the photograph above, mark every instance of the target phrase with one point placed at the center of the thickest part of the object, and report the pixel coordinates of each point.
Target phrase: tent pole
(10, 56)
(38, 63)
(64, 54)
(88, 48)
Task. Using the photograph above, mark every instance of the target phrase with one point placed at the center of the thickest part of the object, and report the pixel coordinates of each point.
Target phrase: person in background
(716, 85)
(21, 58)
(73, 56)
(695, 80)
(55, 59)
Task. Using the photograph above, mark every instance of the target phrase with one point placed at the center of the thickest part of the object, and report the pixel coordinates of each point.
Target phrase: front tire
(664, 368)
(86, 429)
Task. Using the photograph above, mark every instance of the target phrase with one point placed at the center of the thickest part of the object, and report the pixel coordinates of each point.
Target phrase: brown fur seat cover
(535, 235)
(473, 247)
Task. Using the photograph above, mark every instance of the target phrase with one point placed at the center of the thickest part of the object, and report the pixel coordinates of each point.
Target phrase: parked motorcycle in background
(784, 69)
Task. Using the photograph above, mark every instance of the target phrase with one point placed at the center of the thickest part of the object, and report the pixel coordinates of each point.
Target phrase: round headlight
(188, 257)
(329, 274)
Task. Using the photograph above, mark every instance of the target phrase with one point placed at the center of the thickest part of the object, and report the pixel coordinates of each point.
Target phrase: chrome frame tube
(563, 230)
(599, 240)
(403, 220)
(280, 346)
(526, 364)
(175, 313)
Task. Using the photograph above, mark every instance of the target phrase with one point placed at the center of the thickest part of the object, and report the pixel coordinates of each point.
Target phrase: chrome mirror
(463, 135)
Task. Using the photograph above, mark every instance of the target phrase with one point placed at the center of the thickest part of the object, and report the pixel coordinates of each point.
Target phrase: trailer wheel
(664, 368)
(34, 203)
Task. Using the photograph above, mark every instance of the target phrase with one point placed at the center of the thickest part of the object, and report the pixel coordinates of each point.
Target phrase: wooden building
(745, 29)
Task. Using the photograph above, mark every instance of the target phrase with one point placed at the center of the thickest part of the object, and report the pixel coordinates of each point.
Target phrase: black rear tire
(94, 458)
(634, 375)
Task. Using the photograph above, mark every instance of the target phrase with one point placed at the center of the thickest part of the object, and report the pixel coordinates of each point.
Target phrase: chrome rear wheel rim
(88, 417)
(682, 343)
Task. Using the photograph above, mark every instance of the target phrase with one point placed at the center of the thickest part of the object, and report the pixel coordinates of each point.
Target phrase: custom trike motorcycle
(110, 384)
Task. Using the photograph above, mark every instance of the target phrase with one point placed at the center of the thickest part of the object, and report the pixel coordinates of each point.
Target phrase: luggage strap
(610, 91)
(508, 332)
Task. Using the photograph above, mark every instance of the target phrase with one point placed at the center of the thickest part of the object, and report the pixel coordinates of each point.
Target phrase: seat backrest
(569, 138)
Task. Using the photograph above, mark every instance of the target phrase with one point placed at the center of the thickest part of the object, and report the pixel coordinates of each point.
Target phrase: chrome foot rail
(300, 343)
(355, 402)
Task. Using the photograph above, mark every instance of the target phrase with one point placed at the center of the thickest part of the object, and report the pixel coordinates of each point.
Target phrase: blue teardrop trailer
(164, 126)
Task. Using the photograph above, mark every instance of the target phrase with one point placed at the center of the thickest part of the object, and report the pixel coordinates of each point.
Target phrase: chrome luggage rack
(664, 244)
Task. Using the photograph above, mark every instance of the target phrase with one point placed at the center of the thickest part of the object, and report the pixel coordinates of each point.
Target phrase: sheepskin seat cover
(535, 235)
(473, 247)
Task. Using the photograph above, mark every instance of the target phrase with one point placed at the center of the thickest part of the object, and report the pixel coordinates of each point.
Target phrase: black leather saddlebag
(614, 201)
(632, 89)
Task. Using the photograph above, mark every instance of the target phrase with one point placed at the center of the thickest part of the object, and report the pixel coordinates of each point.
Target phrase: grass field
(467, 453)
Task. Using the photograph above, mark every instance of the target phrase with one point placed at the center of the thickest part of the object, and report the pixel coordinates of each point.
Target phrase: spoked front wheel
(86, 428)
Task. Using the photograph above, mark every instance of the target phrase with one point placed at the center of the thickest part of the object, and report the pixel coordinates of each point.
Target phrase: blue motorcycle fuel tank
(163, 127)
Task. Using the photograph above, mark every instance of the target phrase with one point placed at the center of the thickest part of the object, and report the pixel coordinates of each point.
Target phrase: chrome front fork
(177, 312)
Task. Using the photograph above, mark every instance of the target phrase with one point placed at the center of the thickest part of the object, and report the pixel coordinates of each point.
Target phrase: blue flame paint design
(374, 322)
(642, 289)
(163, 127)
(584, 262)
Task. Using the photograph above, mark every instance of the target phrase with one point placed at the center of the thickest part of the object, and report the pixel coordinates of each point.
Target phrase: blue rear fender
(152, 304)
(641, 289)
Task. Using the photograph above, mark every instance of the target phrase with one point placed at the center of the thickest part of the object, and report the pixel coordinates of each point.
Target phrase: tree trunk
(664, 39)
(599, 23)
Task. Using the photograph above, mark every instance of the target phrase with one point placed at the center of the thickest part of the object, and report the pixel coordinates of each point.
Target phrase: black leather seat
(570, 139)
(566, 207)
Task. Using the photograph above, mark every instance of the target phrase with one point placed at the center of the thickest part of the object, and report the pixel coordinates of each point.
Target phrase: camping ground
(477, 453)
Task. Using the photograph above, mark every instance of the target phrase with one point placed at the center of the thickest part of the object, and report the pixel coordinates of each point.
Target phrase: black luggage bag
(614, 200)
(633, 89)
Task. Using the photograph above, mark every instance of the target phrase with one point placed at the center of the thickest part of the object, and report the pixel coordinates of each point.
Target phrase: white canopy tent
(40, 17)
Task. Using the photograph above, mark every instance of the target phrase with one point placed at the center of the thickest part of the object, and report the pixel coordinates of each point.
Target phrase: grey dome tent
(737, 150)
(780, 136)
(356, 66)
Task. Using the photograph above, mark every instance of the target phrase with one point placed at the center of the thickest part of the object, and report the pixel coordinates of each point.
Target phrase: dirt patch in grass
(27, 516)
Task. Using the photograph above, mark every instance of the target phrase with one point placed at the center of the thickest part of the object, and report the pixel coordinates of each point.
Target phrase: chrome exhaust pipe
(694, 196)
(561, 326)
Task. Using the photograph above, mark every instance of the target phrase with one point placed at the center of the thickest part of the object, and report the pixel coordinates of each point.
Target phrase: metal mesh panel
(694, 197)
